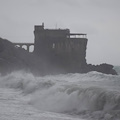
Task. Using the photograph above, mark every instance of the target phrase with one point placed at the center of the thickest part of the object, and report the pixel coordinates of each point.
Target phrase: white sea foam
(92, 95)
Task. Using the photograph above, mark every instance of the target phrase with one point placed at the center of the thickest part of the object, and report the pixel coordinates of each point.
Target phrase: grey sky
(100, 19)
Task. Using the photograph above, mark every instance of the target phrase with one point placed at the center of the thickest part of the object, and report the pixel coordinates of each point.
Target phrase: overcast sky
(100, 19)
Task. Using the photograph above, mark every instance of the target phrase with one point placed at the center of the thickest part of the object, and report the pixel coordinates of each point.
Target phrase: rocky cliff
(13, 58)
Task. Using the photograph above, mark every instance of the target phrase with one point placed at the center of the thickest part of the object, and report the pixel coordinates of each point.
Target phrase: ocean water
(91, 96)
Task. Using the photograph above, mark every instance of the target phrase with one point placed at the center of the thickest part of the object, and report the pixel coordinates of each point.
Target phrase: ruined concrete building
(61, 48)
(59, 51)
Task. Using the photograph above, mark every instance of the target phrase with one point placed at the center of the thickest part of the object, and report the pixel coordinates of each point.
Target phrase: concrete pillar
(28, 48)
(20, 46)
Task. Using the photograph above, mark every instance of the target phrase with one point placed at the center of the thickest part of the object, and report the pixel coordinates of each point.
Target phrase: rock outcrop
(103, 68)
(13, 58)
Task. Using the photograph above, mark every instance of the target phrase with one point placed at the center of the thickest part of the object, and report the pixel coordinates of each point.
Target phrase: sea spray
(92, 95)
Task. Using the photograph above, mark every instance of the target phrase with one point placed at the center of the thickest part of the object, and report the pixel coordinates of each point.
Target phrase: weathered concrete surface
(61, 48)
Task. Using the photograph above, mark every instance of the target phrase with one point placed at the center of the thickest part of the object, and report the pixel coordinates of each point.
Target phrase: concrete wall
(59, 49)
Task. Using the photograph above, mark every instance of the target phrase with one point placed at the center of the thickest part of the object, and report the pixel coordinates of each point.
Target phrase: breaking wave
(92, 95)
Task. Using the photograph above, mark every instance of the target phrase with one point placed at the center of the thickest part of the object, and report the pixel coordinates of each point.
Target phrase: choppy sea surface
(91, 96)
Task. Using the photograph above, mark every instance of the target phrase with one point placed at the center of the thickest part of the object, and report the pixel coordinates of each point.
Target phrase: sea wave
(93, 95)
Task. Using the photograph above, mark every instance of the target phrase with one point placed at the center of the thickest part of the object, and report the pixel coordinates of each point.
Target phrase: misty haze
(59, 60)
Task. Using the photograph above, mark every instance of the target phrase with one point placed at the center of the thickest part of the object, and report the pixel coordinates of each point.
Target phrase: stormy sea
(90, 96)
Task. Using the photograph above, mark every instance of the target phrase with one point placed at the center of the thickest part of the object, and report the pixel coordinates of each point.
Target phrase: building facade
(60, 47)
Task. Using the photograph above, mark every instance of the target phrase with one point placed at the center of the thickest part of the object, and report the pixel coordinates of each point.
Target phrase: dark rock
(103, 68)
(12, 59)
